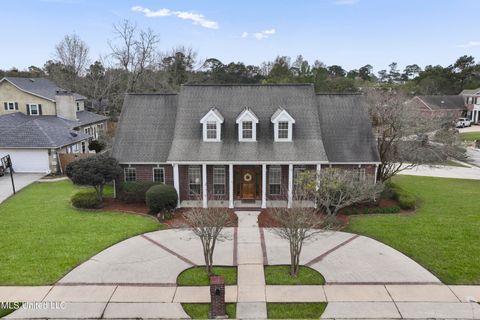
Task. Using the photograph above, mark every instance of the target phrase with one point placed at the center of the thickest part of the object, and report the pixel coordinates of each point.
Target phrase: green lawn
(280, 275)
(197, 276)
(7, 311)
(200, 310)
(42, 237)
(470, 136)
(295, 310)
(444, 234)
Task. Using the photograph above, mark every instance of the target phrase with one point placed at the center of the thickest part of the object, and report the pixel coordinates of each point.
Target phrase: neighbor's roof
(145, 128)
(443, 102)
(41, 87)
(17, 130)
(470, 91)
(346, 128)
(166, 127)
(87, 117)
(196, 100)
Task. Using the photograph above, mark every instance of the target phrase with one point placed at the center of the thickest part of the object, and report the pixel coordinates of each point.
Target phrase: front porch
(237, 186)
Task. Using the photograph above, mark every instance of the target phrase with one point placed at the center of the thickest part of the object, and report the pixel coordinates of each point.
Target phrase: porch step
(247, 208)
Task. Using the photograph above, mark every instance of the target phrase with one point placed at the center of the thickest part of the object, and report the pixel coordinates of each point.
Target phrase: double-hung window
(130, 174)
(274, 180)
(194, 180)
(247, 130)
(10, 105)
(211, 130)
(283, 130)
(34, 110)
(361, 174)
(218, 181)
(159, 175)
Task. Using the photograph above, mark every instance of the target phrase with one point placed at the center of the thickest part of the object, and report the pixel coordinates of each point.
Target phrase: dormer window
(282, 125)
(212, 125)
(247, 125)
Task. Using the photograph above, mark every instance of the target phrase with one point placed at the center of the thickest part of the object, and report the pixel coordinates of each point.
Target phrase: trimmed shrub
(405, 199)
(134, 192)
(161, 197)
(86, 199)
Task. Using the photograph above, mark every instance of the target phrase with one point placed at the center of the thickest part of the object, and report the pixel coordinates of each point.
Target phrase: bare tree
(73, 53)
(406, 137)
(301, 223)
(207, 224)
(135, 50)
(340, 188)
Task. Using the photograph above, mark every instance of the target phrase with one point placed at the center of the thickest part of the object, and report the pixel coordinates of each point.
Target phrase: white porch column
(176, 181)
(264, 186)
(290, 186)
(204, 183)
(317, 186)
(230, 186)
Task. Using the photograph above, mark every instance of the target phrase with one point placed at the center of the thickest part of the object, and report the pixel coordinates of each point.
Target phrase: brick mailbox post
(217, 298)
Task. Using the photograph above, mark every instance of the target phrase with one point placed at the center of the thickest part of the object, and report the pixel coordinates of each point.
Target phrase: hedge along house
(241, 145)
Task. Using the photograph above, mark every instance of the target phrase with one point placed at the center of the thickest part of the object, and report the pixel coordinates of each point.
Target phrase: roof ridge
(35, 121)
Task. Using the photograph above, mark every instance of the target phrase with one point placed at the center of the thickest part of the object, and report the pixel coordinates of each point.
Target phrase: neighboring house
(242, 145)
(472, 102)
(451, 106)
(39, 120)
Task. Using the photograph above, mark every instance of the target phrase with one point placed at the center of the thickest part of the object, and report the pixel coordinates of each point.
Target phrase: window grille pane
(218, 181)
(274, 178)
(130, 174)
(247, 129)
(159, 175)
(194, 180)
(211, 130)
(283, 130)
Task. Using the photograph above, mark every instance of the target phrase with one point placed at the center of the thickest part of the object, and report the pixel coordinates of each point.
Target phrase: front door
(248, 184)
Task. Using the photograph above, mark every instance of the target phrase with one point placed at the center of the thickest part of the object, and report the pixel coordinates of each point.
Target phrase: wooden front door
(248, 184)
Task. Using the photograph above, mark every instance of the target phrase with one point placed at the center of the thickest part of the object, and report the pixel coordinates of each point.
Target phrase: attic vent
(443, 101)
(73, 134)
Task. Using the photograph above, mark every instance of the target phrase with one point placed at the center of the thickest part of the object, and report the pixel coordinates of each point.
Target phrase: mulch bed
(178, 219)
(110, 204)
(265, 219)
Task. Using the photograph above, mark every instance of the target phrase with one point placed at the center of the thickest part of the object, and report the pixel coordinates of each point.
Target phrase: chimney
(65, 105)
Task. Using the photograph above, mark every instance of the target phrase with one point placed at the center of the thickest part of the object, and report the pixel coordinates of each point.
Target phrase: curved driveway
(157, 258)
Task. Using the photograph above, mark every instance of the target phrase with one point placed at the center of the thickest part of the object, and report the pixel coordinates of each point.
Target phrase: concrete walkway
(472, 173)
(251, 278)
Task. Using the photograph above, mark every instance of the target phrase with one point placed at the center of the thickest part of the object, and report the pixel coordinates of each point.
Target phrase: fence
(66, 158)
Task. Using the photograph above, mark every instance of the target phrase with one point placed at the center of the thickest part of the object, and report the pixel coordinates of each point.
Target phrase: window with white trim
(211, 130)
(247, 130)
(159, 175)
(130, 174)
(275, 180)
(34, 111)
(283, 127)
(10, 105)
(194, 181)
(297, 173)
(361, 174)
(218, 181)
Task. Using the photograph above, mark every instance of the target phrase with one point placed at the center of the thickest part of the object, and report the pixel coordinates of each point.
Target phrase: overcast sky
(350, 33)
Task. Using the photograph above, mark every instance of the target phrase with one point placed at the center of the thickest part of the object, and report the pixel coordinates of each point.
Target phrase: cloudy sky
(351, 33)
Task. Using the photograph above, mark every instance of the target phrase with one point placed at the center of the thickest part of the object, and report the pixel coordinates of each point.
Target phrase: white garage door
(28, 160)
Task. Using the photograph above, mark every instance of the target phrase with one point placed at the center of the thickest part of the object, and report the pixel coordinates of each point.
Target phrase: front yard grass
(6, 311)
(42, 237)
(307, 310)
(470, 136)
(280, 275)
(200, 310)
(443, 235)
(197, 276)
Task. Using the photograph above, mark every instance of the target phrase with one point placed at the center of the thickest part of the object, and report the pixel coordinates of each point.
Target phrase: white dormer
(247, 125)
(212, 125)
(282, 125)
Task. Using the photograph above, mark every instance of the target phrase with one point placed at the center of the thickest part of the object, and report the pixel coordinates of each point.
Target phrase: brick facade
(144, 172)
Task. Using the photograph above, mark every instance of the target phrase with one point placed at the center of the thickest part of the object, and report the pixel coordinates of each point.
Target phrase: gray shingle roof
(18, 130)
(145, 128)
(444, 102)
(346, 128)
(87, 117)
(160, 127)
(196, 100)
(39, 86)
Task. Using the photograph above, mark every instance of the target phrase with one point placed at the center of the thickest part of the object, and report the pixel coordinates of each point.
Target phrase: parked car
(463, 122)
